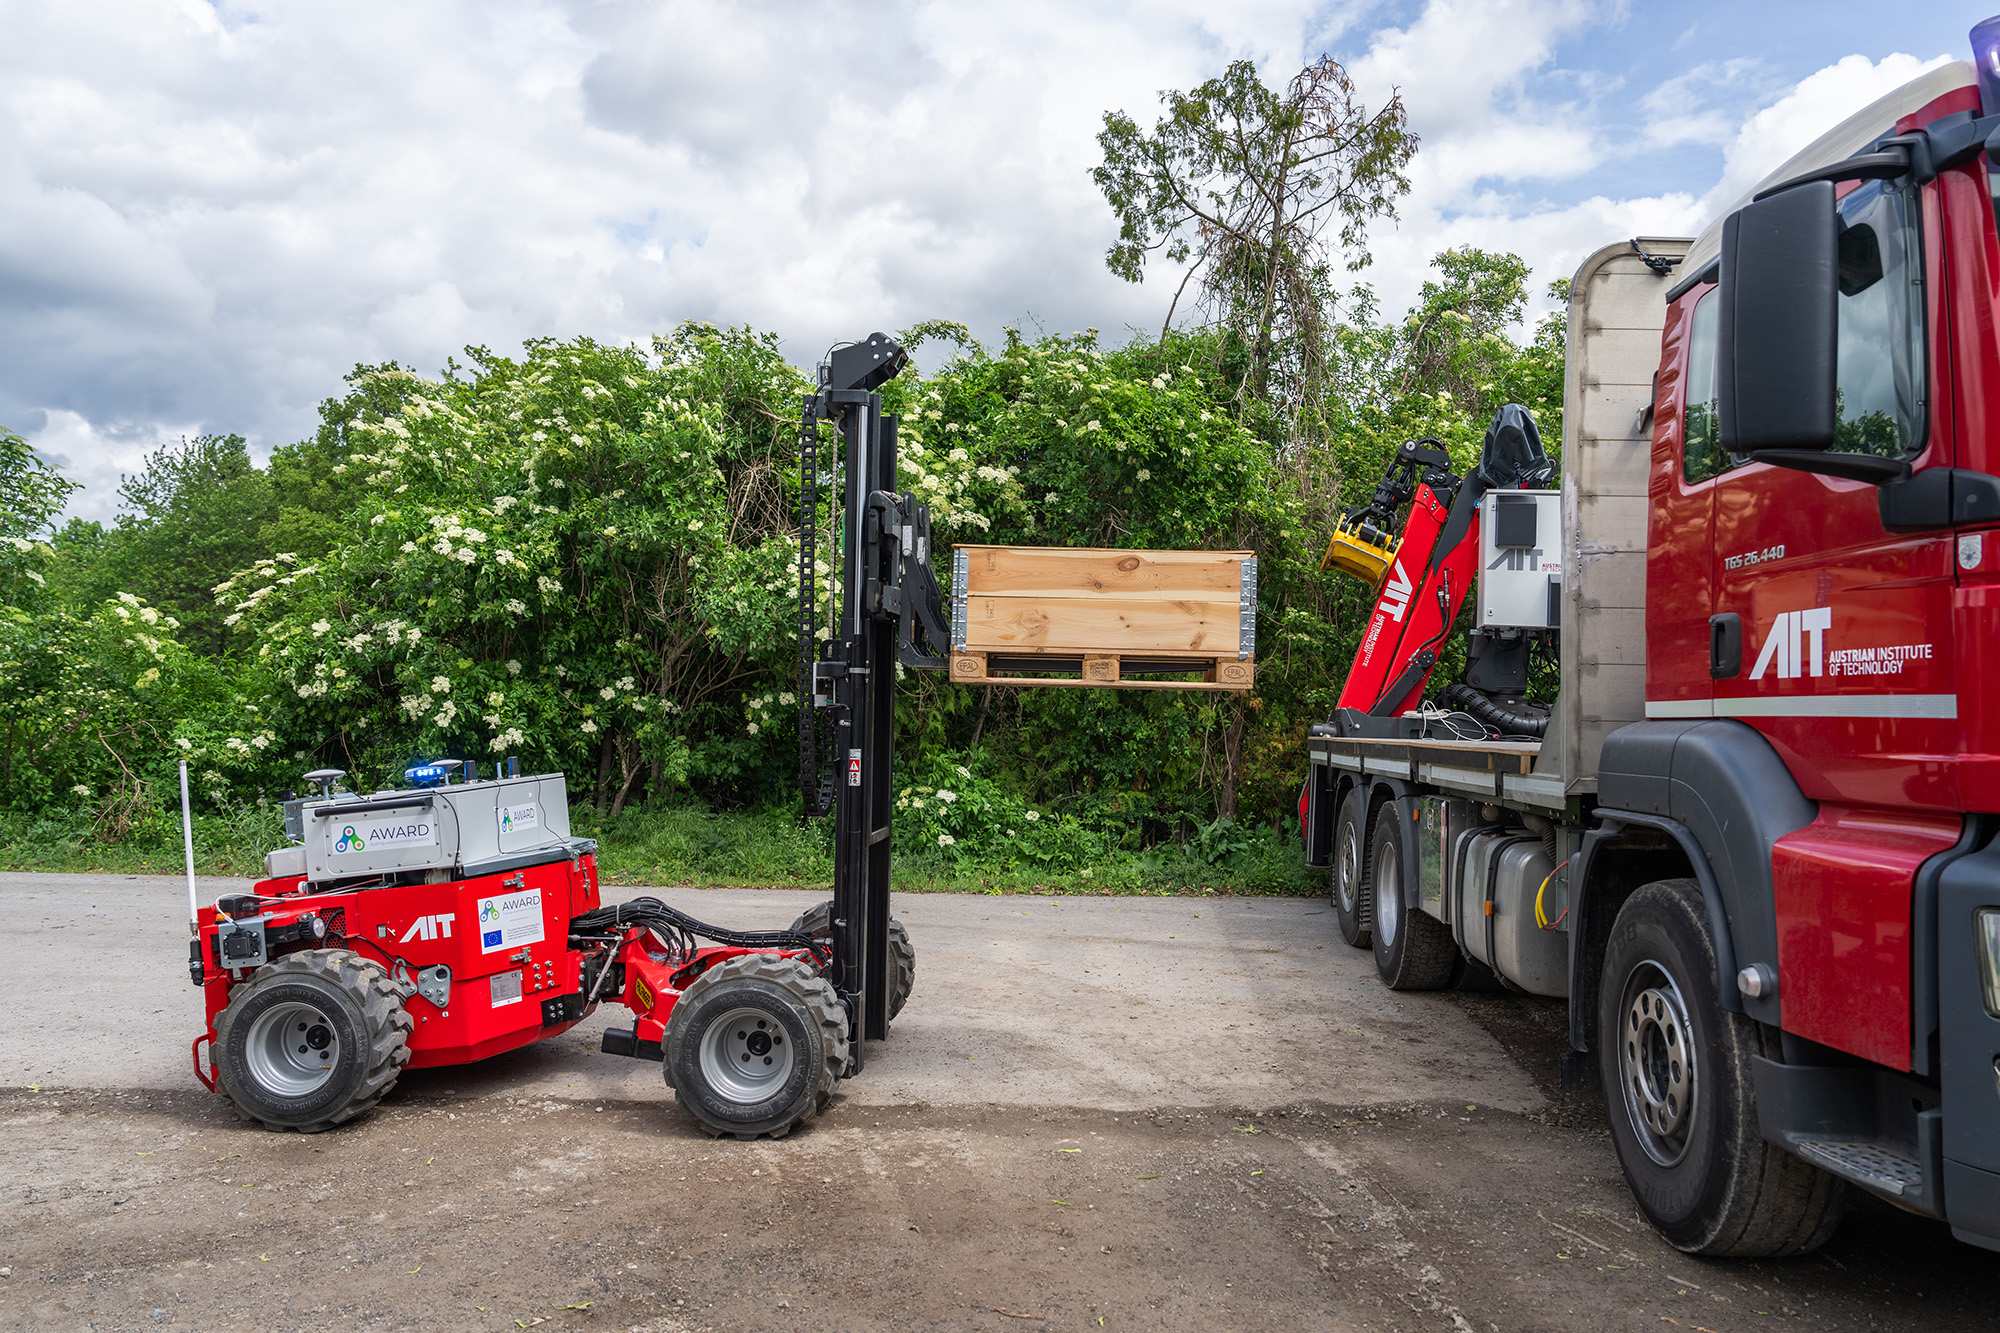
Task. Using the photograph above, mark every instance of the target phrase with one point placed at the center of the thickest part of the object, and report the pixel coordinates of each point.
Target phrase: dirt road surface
(1095, 1113)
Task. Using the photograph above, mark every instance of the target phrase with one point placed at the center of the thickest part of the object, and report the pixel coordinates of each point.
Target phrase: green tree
(196, 513)
(32, 492)
(1242, 183)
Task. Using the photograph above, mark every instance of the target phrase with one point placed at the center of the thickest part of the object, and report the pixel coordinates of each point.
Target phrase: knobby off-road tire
(1350, 880)
(755, 1046)
(1413, 950)
(315, 1039)
(817, 921)
(1679, 1092)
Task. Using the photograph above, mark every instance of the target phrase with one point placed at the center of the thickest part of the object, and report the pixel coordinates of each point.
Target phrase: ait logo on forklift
(429, 928)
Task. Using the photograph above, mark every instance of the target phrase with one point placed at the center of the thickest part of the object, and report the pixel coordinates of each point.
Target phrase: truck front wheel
(1679, 1092)
(1350, 869)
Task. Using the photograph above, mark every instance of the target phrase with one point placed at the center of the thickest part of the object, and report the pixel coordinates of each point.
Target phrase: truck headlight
(1986, 936)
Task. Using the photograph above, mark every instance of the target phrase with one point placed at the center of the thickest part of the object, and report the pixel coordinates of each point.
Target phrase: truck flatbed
(1502, 772)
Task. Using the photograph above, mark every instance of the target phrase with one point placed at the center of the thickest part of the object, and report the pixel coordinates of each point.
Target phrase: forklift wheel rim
(292, 1049)
(747, 1056)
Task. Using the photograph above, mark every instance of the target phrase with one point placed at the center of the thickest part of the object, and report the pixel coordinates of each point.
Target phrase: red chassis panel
(1842, 885)
(505, 938)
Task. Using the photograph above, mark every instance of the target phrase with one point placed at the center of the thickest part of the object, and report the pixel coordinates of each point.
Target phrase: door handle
(1725, 645)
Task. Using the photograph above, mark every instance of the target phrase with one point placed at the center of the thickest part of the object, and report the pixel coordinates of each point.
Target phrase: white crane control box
(1520, 560)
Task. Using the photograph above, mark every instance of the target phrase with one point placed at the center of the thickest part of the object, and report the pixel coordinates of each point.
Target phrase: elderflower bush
(111, 700)
(582, 556)
(943, 809)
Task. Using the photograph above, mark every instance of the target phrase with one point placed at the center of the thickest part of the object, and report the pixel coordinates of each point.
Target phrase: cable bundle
(678, 931)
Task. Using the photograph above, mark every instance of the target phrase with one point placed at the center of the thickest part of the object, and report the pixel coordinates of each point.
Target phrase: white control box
(1520, 559)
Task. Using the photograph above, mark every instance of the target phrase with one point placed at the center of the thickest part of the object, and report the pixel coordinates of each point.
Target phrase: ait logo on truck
(1796, 645)
(1396, 595)
(429, 928)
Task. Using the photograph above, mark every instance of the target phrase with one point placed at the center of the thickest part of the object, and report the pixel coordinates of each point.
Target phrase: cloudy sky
(210, 212)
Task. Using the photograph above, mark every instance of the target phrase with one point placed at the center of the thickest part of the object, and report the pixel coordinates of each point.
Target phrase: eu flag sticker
(489, 939)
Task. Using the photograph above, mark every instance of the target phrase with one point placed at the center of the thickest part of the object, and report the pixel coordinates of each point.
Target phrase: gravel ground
(1096, 1113)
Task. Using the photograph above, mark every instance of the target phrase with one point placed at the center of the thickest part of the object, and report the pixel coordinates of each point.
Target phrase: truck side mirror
(1777, 332)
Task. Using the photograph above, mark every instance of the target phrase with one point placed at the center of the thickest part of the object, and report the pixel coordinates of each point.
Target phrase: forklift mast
(885, 611)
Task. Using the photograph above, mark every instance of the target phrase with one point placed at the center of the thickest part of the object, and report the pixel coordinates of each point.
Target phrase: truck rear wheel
(1678, 1087)
(312, 1041)
(817, 921)
(755, 1045)
(1413, 951)
(1351, 908)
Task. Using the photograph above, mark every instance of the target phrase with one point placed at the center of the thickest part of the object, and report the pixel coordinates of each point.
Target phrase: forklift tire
(1413, 950)
(1680, 1095)
(755, 1045)
(1351, 908)
(312, 1041)
(817, 921)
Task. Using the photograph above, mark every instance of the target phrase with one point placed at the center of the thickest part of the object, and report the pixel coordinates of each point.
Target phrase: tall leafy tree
(195, 515)
(1255, 189)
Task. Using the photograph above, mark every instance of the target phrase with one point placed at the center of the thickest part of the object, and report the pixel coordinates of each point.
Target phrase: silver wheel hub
(1388, 893)
(292, 1049)
(1347, 873)
(746, 1056)
(1658, 1064)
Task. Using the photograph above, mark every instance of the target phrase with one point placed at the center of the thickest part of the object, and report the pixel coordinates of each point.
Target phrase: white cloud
(209, 214)
(97, 458)
(1813, 106)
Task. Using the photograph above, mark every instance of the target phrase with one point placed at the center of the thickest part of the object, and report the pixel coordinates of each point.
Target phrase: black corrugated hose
(1526, 720)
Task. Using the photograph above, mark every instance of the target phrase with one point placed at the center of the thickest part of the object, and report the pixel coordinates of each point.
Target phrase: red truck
(1751, 838)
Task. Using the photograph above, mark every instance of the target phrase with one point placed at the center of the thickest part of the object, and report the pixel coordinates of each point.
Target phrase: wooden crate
(1103, 618)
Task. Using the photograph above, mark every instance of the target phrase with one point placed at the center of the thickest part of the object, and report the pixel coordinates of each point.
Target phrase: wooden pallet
(1113, 671)
(1082, 617)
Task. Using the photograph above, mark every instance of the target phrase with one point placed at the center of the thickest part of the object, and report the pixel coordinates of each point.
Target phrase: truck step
(1104, 671)
(1880, 1167)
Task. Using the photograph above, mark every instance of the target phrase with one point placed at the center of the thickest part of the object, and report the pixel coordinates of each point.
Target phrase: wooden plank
(1491, 756)
(1058, 682)
(968, 666)
(1101, 668)
(1035, 571)
(1126, 625)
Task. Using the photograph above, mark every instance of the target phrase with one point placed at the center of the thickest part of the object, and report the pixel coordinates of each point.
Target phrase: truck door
(1681, 495)
(1845, 665)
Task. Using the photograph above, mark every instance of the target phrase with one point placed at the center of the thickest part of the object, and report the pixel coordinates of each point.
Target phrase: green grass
(683, 845)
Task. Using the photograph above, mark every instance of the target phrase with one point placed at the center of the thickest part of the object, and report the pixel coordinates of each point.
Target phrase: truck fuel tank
(1499, 873)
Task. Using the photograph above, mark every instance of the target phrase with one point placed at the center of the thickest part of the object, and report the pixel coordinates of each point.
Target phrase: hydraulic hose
(1523, 721)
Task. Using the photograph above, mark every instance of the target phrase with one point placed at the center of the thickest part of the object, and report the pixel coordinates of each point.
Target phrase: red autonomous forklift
(458, 918)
